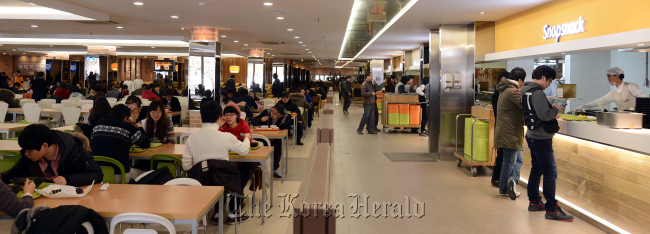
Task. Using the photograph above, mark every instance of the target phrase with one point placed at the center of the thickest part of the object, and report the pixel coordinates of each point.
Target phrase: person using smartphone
(11, 204)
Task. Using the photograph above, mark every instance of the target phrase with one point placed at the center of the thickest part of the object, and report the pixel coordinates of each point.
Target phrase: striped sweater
(11, 204)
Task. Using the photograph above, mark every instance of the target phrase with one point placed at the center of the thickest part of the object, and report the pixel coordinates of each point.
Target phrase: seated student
(113, 137)
(138, 112)
(236, 98)
(250, 100)
(210, 143)
(275, 116)
(208, 97)
(11, 204)
(171, 103)
(93, 92)
(158, 127)
(291, 106)
(239, 128)
(148, 94)
(101, 109)
(76, 92)
(62, 92)
(55, 155)
(252, 94)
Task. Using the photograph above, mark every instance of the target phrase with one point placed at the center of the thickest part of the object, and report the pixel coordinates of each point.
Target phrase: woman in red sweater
(232, 122)
(62, 92)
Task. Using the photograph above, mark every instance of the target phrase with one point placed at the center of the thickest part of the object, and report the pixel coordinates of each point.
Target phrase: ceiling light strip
(106, 42)
(392, 21)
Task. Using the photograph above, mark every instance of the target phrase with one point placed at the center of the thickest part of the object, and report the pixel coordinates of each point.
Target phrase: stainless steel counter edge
(632, 139)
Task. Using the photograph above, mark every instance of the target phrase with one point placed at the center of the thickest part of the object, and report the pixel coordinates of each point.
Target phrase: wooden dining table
(11, 128)
(179, 204)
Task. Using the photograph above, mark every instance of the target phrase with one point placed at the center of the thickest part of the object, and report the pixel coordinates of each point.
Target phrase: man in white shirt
(210, 143)
(624, 95)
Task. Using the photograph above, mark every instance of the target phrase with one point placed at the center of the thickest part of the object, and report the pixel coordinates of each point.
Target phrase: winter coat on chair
(60, 220)
(213, 172)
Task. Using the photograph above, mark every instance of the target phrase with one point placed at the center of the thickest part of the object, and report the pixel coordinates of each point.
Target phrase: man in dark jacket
(55, 155)
(275, 116)
(368, 93)
(346, 93)
(230, 83)
(250, 101)
(113, 137)
(39, 86)
(290, 106)
(276, 89)
(173, 104)
(115, 93)
(496, 172)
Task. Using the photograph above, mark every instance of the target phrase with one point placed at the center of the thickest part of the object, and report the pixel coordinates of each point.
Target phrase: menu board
(163, 65)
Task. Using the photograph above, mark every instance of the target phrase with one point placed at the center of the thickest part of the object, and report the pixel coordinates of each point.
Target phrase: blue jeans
(510, 169)
(543, 163)
(368, 117)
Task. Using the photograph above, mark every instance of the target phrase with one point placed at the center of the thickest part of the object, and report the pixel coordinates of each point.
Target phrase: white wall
(527, 64)
(588, 71)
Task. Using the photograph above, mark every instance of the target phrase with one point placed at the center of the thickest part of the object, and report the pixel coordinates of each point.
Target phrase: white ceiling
(413, 28)
(319, 24)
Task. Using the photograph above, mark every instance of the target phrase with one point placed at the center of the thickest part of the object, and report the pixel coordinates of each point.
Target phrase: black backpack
(530, 116)
(158, 177)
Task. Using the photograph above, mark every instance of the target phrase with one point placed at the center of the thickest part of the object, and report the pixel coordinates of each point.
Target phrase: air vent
(94, 22)
(270, 43)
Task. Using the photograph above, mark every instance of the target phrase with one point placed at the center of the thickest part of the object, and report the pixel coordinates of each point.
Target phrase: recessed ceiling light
(34, 26)
(296, 37)
(201, 3)
(4, 53)
(273, 55)
(245, 44)
(482, 13)
(300, 42)
(120, 27)
(182, 28)
(304, 45)
(236, 41)
(268, 53)
(280, 18)
(289, 29)
(32, 4)
(153, 47)
(23, 53)
(563, 53)
(310, 52)
(138, 3)
(306, 49)
(641, 44)
(223, 35)
(174, 17)
(268, 4)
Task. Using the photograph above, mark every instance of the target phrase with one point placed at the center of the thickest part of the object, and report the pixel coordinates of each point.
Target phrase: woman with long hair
(101, 109)
(157, 125)
(138, 112)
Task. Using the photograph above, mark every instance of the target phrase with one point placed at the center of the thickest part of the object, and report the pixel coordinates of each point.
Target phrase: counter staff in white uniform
(624, 96)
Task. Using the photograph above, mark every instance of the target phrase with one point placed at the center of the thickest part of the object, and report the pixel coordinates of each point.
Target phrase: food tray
(568, 117)
(35, 194)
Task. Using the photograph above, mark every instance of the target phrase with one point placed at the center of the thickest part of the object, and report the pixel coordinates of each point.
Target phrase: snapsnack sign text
(564, 29)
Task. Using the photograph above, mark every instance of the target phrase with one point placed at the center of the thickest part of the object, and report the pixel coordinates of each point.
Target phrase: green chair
(109, 172)
(175, 162)
(9, 159)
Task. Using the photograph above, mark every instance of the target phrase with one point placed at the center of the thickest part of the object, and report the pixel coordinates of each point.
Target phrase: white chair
(23, 101)
(140, 218)
(112, 102)
(57, 106)
(3, 109)
(86, 107)
(83, 102)
(145, 102)
(32, 114)
(184, 137)
(243, 116)
(71, 115)
(76, 99)
(111, 98)
(29, 104)
(184, 182)
(46, 103)
(69, 103)
(268, 103)
(89, 227)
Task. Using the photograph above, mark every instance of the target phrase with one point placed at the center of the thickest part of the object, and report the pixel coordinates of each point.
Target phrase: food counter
(604, 171)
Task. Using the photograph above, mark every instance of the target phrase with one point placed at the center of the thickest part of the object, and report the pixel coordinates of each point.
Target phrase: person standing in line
(496, 171)
(423, 95)
(346, 93)
(509, 131)
(540, 118)
(368, 93)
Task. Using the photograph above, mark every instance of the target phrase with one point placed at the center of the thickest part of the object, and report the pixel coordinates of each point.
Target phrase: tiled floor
(454, 201)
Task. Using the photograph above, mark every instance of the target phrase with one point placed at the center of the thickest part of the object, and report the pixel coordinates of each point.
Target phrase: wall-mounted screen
(163, 65)
(92, 66)
(48, 66)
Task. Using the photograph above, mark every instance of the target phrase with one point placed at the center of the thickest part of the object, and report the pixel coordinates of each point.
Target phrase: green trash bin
(481, 140)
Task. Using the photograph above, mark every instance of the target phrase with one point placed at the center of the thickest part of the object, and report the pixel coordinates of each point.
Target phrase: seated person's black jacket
(76, 165)
(62, 219)
(250, 101)
(219, 173)
(247, 109)
(113, 138)
(283, 122)
(175, 106)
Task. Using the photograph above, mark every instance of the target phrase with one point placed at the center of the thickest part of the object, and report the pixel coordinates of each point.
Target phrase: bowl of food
(254, 144)
(274, 126)
(21, 180)
(264, 126)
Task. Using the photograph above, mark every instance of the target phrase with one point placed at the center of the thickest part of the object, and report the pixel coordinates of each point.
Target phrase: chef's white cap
(615, 71)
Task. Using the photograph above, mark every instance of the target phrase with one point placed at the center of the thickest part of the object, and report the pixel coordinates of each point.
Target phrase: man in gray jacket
(540, 119)
(368, 93)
